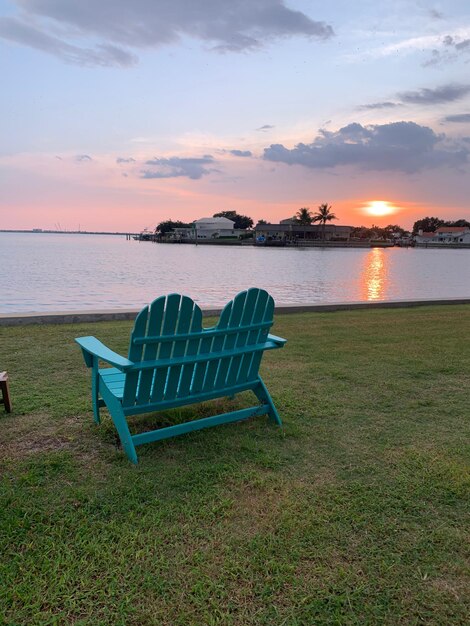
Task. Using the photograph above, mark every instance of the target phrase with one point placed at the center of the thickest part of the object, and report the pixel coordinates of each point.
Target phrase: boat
(145, 235)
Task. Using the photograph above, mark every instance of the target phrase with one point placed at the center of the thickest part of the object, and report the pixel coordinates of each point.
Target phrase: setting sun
(379, 208)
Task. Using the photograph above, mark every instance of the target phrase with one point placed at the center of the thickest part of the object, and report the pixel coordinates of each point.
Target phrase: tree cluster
(241, 221)
(389, 232)
(430, 224)
(164, 227)
(305, 217)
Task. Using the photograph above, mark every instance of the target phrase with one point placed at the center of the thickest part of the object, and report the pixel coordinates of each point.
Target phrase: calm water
(42, 272)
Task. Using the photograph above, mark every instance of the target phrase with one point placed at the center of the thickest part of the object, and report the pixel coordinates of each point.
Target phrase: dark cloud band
(399, 146)
(121, 25)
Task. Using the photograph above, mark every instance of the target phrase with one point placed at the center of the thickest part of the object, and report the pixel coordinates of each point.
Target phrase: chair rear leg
(263, 395)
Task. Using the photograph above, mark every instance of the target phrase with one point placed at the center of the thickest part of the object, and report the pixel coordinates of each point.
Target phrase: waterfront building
(447, 235)
(288, 231)
(207, 228)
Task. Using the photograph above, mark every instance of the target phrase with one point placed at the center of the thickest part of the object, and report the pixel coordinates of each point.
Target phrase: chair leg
(95, 393)
(263, 395)
(119, 419)
(4, 386)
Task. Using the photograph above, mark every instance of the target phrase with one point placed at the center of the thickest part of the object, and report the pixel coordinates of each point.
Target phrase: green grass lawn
(356, 512)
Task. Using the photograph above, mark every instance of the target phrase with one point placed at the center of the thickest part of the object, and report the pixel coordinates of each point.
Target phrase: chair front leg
(95, 391)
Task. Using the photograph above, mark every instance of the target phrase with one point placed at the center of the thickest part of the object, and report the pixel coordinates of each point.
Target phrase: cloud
(81, 158)
(450, 49)
(459, 118)
(424, 96)
(434, 43)
(265, 127)
(439, 95)
(175, 167)
(463, 45)
(125, 160)
(225, 25)
(241, 153)
(399, 146)
(104, 55)
(435, 14)
(379, 105)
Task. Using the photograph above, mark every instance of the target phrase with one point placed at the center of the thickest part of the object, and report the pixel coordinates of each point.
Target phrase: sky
(116, 115)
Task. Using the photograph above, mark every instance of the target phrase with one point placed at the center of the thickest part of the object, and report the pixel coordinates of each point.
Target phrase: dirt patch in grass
(456, 589)
(27, 435)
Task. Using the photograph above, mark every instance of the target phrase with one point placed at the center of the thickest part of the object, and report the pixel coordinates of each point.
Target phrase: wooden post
(6, 400)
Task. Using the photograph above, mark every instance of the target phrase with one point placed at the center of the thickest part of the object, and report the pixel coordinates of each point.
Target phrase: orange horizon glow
(97, 196)
(131, 212)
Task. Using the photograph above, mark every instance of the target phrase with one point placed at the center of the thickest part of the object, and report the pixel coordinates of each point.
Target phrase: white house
(209, 228)
(451, 235)
(215, 227)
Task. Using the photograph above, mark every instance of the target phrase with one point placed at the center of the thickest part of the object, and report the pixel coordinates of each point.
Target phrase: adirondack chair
(173, 361)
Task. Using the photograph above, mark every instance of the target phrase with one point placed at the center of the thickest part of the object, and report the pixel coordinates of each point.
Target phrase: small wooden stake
(6, 400)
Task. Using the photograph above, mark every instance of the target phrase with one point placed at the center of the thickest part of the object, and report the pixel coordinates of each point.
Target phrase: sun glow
(380, 208)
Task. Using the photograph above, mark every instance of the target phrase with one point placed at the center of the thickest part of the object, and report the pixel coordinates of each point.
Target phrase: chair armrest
(277, 340)
(92, 347)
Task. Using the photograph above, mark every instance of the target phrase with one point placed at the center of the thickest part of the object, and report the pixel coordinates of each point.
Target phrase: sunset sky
(115, 115)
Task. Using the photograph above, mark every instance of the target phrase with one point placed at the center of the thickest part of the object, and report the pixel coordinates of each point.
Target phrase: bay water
(64, 272)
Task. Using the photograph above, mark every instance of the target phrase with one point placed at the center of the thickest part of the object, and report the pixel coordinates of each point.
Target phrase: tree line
(303, 217)
(394, 231)
(322, 216)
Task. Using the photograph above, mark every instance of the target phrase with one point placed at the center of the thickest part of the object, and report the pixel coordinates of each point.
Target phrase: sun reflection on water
(374, 277)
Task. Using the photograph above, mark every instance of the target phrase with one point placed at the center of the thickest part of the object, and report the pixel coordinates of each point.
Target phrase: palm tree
(303, 217)
(324, 215)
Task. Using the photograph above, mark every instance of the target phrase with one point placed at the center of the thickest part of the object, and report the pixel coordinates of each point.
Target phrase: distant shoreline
(310, 244)
(64, 232)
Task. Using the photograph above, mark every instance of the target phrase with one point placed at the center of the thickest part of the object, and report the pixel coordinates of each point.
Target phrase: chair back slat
(205, 347)
(247, 337)
(249, 367)
(192, 349)
(135, 355)
(229, 312)
(240, 317)
(165, 350)
(150, 352)
(185, 315)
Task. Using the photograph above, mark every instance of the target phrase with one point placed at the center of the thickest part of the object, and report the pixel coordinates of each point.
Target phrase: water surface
(61, 272)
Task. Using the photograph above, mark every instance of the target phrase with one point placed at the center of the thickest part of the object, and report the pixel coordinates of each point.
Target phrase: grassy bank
(356, 512)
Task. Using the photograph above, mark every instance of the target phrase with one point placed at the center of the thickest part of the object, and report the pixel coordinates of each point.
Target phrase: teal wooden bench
(173, 361)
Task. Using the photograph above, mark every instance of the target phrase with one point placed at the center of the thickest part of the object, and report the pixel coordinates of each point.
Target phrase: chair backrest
(227, 355)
